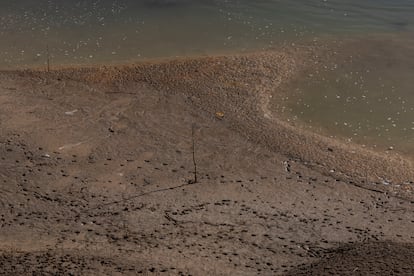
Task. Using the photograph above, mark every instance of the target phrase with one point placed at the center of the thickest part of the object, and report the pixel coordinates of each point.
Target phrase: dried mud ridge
(96, 177)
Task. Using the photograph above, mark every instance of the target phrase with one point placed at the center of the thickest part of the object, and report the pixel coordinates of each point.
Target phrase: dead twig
(193, 152)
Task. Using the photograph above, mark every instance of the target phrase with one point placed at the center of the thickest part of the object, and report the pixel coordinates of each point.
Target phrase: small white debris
(385, 182)
(71, 113)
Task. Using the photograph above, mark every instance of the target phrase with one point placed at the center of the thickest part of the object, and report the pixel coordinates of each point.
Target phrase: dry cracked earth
(101, 182)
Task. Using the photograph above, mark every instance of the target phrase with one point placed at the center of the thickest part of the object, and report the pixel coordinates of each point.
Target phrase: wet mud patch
(373, 258)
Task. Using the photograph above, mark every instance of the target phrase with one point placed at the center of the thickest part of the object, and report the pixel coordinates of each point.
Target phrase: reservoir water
(365, 94)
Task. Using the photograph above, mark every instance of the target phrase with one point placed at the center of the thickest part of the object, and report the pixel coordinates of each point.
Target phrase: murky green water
(368, 98)
(96, 31)
(363, 93)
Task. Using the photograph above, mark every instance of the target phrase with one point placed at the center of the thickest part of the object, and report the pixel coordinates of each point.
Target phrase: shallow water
(364, 93)
(97, 31)
(369, 100)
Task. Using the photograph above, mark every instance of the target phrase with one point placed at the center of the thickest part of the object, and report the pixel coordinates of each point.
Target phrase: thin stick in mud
(193, 152)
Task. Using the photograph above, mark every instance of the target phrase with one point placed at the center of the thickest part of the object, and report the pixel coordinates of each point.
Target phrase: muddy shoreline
(241, 86)
(97, 173)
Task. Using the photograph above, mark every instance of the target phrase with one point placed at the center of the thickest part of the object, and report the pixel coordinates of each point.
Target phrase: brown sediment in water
(240, 86)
